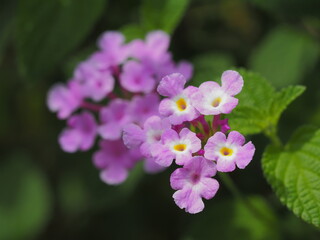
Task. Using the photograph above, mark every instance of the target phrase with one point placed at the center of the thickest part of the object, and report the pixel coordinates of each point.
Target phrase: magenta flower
(211, 99)
(95, 83)
(153, 53)
(80, 134)
(143, 107)
(112, 45)
(137, 78)
(177, 107)
(176, 146)
(154, 50)
(194, 181)
(185, 68)
(64, 99)
(134, 136)
(114, 117)
(115, 160)
(229, 152)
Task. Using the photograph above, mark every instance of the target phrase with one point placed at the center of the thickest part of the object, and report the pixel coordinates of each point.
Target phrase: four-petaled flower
(177, 107)
(194, 181)
(229, 152)
(80, 134)
(176, 146)
(115, 160)
(213, 99)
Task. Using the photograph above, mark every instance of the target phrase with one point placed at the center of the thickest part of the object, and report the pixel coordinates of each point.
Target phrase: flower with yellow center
(229, 151)
(181, 104)
(225, 151)
(180, 147)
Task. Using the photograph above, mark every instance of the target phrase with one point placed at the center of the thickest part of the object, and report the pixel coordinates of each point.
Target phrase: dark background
(48, 194)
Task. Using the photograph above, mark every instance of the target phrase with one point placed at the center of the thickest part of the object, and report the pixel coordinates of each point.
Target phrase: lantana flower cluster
(192, 132)
(122, 84)
(115, 86)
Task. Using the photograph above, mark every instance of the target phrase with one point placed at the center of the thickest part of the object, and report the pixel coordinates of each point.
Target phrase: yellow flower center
(181, 104)
(226, 151)
(216, 102)
(180, 147)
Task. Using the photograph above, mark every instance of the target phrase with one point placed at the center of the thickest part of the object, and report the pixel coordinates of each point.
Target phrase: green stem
(272, 134)
(228, 182)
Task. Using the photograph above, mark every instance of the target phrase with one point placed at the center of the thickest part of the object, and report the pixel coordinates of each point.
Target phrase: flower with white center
(177, 107)
(229, 152)
(176, 146)
(144, 138)
(213, 99)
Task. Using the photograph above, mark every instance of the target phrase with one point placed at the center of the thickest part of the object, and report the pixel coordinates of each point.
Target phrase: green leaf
(25, 199)
(240, 222)
(283, 99)
(132, 31)
(209, 66)
(294, 173)
(46, 31)
(260, 106)
(162, 14)
(285, 56)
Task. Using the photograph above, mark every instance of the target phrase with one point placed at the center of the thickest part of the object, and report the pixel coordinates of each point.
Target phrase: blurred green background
(48, 194)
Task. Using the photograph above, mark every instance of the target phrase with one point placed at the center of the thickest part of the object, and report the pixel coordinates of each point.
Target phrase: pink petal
(224, 165)
(133, 135)
(236, 138)
(210, 187)
(245, 155)
(188, 199)
(171, 85)
(232, 82)
(114, 175)
(165, 107)
(150, 166)
(212, 143)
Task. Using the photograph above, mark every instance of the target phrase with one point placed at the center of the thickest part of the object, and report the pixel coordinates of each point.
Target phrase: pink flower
(229, 152)
(114, 117)
(137, 78)
(80, 134)
(153, 53)
(95, 83)
(194, 181)
(185, 68)
(115, 160)
(112, 45)
(143, 107)
(154, 50)
(64, 99)
(134, 136)
(176, 146)
(178, 106)
(211, 99)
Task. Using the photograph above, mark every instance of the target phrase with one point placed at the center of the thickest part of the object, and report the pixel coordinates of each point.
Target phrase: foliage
(261, 105)
(294, 173)
(47, 194)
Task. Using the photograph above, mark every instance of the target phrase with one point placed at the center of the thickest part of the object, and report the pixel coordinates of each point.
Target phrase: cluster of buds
(115, 95)
(192, 131)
